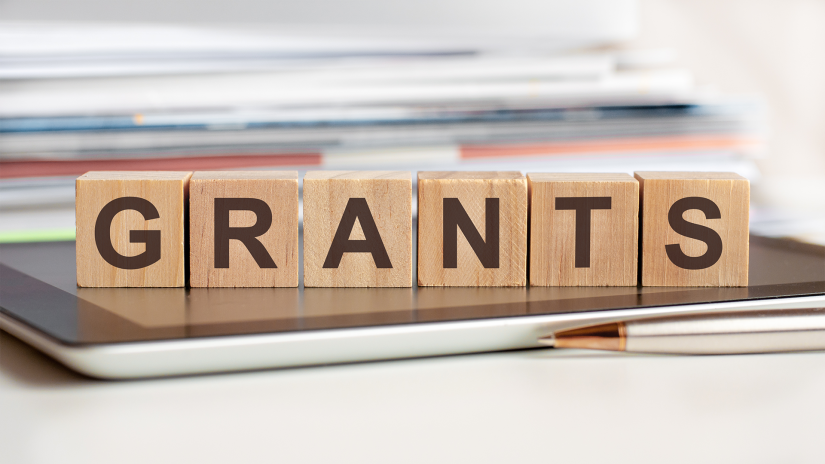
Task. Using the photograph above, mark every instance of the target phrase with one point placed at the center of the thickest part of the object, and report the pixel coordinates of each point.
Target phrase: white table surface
(523, 406)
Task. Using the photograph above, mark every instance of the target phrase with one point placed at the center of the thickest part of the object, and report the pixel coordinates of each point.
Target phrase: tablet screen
(38, 287)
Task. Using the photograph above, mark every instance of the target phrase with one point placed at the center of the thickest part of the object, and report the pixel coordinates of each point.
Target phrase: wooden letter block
(583, 229)
(694, 229)
(243, 229)
(472, 229)
(358, 229)
(130, 228)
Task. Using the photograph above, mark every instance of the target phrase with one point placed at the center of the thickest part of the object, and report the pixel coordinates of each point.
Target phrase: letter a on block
(583, 229)
(340, 204)
(130, 228)
(243, 229)
(357, 209)
(694, 229)
(472, 229)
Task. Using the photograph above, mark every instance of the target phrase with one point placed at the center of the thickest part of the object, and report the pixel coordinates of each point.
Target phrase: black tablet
(139, 332)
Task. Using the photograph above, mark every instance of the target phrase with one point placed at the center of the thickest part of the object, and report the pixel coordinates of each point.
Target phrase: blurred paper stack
(96, 97)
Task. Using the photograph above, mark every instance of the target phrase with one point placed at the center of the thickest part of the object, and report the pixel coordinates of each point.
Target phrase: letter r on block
(243, 229)
(246, 235)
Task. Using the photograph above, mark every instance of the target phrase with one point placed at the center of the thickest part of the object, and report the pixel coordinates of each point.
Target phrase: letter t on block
(583, 229)
(694, 229)
(358, 229)
(472, 229)
(130, 228)
(243, 229)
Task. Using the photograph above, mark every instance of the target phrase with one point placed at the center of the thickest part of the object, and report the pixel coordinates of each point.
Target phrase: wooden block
(694, 229)
(472, 229)
(358, 229)
(255, 214)
(130, 228)
(583, 229)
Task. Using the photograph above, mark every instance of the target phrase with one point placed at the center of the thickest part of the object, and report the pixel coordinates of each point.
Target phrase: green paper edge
(37, 235)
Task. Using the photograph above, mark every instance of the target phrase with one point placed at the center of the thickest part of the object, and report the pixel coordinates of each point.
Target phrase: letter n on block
(358, 229)
(472, 229)
(243, 229)
(130, 228)
(583, 229)
(694, 229)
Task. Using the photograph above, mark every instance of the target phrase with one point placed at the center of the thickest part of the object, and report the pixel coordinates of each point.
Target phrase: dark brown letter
(583, 207)
(357, 208)
(455, 217)
(695, 231)
(151, 238)
(246, 235)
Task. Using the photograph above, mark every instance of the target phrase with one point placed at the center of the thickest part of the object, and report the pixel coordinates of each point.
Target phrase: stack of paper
(190, 100)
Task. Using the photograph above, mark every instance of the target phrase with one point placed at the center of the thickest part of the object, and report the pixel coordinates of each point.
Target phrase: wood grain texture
(612, 244)
(472, 189)
(279, 190)
(729, 192)
(167, 191)
(388, 197)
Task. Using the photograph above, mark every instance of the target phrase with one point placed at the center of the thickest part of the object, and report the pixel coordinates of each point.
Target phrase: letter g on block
(151, 238)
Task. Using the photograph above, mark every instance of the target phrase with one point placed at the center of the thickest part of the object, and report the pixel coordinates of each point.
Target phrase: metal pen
(766, 331)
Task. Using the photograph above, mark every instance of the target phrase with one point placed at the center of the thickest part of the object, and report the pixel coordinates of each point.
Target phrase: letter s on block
(151, 238)
(695, 231)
